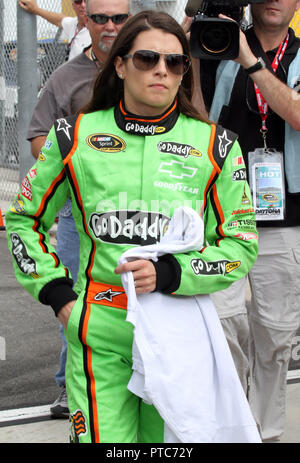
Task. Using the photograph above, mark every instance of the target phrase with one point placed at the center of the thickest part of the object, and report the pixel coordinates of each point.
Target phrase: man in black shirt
(267, 119)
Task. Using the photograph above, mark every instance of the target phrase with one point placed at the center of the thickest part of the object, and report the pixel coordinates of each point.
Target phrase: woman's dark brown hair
(108, 88)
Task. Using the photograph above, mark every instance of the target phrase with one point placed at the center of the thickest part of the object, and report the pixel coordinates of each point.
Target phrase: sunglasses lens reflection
(146, 60)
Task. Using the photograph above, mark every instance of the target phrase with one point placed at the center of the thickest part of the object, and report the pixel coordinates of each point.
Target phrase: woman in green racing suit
(137, 151)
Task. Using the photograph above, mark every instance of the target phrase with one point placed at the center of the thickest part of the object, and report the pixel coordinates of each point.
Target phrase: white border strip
(293, 374)
(24, 413)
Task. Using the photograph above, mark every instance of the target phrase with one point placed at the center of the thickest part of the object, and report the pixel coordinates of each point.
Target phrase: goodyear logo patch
(106, 143)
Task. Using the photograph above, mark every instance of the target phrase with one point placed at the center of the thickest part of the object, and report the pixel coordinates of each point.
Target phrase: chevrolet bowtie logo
(107, 295)
(177, 169)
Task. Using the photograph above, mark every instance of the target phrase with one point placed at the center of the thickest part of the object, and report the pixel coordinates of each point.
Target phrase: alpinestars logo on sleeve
(224, 144)
(63, 125)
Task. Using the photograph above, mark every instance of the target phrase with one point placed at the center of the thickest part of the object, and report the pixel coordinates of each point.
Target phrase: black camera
(213, 37)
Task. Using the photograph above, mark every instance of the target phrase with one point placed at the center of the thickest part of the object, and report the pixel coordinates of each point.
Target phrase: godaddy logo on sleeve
(219, 267)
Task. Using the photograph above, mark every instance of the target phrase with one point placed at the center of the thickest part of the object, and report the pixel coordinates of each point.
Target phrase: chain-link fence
(51, 52)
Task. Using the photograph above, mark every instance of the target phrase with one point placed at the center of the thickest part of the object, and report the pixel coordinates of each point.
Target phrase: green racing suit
(125, 176)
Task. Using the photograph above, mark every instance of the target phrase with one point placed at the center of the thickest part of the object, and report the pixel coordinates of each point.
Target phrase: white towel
(181, 360)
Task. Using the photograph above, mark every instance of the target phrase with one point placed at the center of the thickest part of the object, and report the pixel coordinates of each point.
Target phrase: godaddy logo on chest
(129, 227)
(178, 149)
(147, 129)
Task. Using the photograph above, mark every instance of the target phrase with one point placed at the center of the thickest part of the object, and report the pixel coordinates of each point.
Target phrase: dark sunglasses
(144, 60)
(103, 18)
(78, 2)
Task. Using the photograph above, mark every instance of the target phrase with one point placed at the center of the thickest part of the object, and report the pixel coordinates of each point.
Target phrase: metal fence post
(27, 83)
(2, 86)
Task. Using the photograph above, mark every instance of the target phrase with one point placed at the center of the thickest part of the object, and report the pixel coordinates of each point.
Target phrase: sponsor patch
(17, 207)
(64, 126)
(42, 157)
(160, 129)
(129, 227)
(106, 143)
(243, 223)
(178, 149)
(48, 144)
(144, 129)
(32, 173)
(78, 426)
(176, 187)
(238, 161)
(243, 211)
(107, 295)
(246, 236)
(25, 263)
(220, 267)
(240, 174)
(26, 189)
(177, 169)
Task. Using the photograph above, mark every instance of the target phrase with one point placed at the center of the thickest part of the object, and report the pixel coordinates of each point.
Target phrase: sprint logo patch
(106, 142)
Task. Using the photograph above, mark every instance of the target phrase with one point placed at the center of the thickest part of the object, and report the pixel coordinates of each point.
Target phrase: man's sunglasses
(144, 60)
(103, 18)
(78, 2)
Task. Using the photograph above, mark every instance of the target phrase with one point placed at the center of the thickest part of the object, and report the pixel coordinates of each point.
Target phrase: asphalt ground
(29, 343)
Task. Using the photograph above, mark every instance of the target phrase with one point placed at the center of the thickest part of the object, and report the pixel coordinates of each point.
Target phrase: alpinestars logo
(63, 125)
(107, 295)
(178, 149)
(224, 144)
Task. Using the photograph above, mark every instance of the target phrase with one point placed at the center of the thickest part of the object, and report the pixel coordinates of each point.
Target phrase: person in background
(261, 104)
(74, 28)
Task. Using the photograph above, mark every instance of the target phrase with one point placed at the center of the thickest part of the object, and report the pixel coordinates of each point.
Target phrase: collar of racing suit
(142, 125)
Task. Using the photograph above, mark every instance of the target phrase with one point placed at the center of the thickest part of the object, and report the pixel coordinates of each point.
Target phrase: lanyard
(261, 102)
(77, 30)
(95, 59)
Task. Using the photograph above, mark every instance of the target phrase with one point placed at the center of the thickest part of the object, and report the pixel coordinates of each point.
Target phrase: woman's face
(151, 92)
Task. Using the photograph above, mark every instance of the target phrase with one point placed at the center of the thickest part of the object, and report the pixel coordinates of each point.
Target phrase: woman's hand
(144, 274)
(65, 312)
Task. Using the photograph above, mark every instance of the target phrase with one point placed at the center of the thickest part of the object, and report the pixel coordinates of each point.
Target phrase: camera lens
(216, 39)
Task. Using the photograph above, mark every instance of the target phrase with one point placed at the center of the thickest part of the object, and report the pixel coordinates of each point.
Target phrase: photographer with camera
(256, 95)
